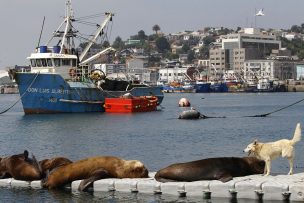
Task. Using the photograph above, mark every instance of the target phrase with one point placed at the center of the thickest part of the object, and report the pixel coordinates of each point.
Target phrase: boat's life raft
(131, 104)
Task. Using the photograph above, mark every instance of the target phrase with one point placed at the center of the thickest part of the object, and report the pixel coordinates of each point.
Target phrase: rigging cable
(2, 112)
(110, 33)
(285, 107)
(202, 116)
(112, 24)
(89, 23)
(91, 16)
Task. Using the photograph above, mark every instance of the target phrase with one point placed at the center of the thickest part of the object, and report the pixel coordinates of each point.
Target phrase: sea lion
(223, 169)
(48, 165)
(20, 167)
(95, 168)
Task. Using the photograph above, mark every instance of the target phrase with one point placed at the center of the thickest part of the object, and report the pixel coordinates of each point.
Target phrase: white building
(203, 62)
(255, 70)
(3, 73)
(252, 39)
(172, 74)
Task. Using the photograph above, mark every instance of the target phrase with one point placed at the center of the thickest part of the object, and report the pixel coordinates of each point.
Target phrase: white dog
(271, 150)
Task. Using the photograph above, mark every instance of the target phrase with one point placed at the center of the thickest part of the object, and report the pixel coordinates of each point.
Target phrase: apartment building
(172, 72)
(256, 45)
(242, 54)
(271, 70)
(218, 61)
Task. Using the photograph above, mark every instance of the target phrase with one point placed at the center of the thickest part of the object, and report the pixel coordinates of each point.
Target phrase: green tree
(296, 46)
(156, 28)
(207, 40)
(152, 37)
(142, 35)
(206, 29)
(146, 46)
(224, 31)
(204, 52)
(118, 43)
(301, 54)
(106, 44)
(185, 48)
(191, 56)
(162, 44)
(171, 56)
(238, 29)
(94, 46)
(296, 28)
(153, 61)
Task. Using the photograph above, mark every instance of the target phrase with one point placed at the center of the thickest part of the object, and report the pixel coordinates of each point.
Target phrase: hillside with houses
(248, 57)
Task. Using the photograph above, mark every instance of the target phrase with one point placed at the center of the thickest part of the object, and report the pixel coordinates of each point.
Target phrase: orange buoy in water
(183, 102)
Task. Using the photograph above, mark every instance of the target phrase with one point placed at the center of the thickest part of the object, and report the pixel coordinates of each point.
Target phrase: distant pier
(256, 187)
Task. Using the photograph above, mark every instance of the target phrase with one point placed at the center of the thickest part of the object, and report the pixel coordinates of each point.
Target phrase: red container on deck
(130, 105)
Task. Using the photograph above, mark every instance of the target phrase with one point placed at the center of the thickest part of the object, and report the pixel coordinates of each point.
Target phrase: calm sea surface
(155, 138)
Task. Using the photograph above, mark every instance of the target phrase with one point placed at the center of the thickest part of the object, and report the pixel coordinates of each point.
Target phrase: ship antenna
(68, 19)
(41, 31)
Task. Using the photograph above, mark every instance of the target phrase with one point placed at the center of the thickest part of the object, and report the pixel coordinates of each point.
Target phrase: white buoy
(183, 102)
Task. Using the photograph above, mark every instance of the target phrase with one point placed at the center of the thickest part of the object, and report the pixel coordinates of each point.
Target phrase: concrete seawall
(256, 187)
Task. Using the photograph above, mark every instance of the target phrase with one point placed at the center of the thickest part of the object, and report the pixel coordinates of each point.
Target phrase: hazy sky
(20, 20)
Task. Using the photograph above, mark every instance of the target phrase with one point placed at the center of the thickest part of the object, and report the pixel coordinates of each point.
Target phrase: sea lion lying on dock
(48, 165)
(20, 167)
(95, 168)
(223, 169)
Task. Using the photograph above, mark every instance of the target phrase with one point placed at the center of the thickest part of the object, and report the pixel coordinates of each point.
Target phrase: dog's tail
(297, 134)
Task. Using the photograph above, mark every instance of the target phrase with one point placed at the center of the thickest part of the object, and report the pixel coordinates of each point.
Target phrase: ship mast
(68, 18)
(67, 36)
(67, 41)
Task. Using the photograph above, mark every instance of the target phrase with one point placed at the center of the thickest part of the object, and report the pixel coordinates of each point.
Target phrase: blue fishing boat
(207, 87)
(62, 81)
(202, 87)
(219, 87)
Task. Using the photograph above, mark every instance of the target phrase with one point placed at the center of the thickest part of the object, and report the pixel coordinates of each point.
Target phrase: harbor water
(158, 138)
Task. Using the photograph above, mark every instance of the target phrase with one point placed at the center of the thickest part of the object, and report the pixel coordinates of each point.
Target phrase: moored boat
(219, 87)
(131, 104)
(61, 81)
(202, 87)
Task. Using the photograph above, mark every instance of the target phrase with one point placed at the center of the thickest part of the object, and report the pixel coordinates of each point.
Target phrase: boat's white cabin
(46, 60)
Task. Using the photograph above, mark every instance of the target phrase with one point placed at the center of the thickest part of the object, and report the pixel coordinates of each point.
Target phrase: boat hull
(50, 93)
(219, 87)
(130, 105)
(202, 87)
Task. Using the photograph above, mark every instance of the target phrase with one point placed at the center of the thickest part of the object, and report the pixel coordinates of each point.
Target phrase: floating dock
(256, 187)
